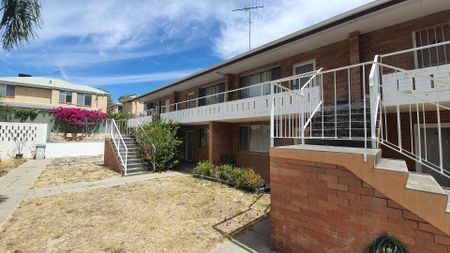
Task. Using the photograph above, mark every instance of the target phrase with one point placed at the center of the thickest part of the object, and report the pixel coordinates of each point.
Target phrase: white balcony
(257, 107)
(429, 82)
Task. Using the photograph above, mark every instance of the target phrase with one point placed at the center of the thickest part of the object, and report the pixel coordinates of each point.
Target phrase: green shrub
(158, 144)
(251, 179)
(237, 177)
(120, 116)
(204, 168)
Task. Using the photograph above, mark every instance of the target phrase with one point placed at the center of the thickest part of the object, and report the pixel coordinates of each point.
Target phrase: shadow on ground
(255, 238)
(3, 198)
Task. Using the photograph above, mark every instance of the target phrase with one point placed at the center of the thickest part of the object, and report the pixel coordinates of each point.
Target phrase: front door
(189, 145)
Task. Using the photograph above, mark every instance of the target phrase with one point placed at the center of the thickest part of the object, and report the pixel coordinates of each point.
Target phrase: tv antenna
(249, 10)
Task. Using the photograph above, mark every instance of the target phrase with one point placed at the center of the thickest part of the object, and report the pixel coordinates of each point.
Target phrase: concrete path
(256, 239)
(86, 186)
(15, 185)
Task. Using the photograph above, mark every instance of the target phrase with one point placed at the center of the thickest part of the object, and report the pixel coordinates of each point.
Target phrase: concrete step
(133, 160)
(447, 191)
(425, 183)
(394, 165)
(136, 170)
(135, 164)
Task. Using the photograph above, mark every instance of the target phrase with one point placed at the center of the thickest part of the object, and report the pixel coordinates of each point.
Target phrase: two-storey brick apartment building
(226, 109)
(48, 93)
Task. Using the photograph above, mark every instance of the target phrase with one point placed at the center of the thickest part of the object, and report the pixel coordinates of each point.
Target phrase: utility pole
(249, 10)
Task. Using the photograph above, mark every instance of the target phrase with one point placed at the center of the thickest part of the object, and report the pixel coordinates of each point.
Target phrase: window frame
(203, 133)
(248, 148)
(65, 96)
(245, 93)
(84, 95)
(210, 99)
(8, 88)
(295, 66)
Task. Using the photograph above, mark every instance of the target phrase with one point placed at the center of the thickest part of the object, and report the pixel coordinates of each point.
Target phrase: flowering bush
(159, 144)
(77, 119)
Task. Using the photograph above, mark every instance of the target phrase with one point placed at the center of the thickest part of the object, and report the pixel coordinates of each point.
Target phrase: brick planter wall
(324, 208)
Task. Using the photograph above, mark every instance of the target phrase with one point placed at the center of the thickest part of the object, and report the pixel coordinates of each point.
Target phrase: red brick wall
(219, 141)
(260, 162)
(397, 37)
(323, 208)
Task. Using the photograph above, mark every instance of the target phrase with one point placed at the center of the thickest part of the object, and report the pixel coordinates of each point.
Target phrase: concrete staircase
(417, 192)
(135, 165)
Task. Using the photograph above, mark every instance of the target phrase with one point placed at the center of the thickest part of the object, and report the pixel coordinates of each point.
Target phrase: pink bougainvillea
(78, 117)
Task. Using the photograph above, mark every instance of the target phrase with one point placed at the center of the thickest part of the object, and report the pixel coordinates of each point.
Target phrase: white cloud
(85, 34)
(275, 20)
(130, 79)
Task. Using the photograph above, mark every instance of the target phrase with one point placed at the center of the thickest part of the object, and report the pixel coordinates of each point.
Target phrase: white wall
(31, 133)
(71, 149)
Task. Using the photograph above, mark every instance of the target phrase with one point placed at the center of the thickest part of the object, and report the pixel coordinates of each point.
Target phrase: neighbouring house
(128, 105)
(369, 84)
(131, 105)
(115, 108)
(48, 93)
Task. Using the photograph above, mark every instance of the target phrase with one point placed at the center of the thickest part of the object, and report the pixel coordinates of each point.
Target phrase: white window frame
(313, 61)
(84, 98)
(190, 104)
(413, 33)
(65, 97)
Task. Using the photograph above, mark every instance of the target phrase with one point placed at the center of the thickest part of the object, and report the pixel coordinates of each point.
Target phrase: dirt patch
(74, 169)
(174, 214)
(10, 164)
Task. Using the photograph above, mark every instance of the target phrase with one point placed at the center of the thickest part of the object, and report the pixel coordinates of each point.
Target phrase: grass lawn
(10, 164)
(174, 214)
(74, 169)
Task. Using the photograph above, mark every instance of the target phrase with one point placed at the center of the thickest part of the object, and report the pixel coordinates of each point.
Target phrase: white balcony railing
(252, 102)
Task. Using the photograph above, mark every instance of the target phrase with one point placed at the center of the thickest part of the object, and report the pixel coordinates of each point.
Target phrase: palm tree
(21, 19)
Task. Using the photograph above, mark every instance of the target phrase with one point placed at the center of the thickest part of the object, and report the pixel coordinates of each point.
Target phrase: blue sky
(135, 46)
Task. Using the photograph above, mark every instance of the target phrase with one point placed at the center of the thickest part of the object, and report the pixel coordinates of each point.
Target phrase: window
(191, 102)
(203, 138)
(165, 107)
(65, 96)
(254, 138)
(260, 77)
(7, 90)
(435, 55)
(301, 69)
(84, 99)
(211, 90)
(119, 108)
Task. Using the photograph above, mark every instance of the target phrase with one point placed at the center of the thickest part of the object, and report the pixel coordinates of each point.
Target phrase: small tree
(158, 144)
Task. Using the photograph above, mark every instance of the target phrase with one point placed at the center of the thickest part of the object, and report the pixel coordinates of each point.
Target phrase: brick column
(174, 99)
(231, 83)
(355, 74)
(220, 141)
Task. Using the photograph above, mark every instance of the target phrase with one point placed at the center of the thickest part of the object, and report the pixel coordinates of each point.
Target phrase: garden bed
(261, 189)
(10, 164)
(245, 179)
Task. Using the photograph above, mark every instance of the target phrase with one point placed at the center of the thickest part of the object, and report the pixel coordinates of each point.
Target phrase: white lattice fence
(30, 134)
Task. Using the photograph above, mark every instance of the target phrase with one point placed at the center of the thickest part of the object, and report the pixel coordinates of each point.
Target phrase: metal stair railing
(113, 132)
